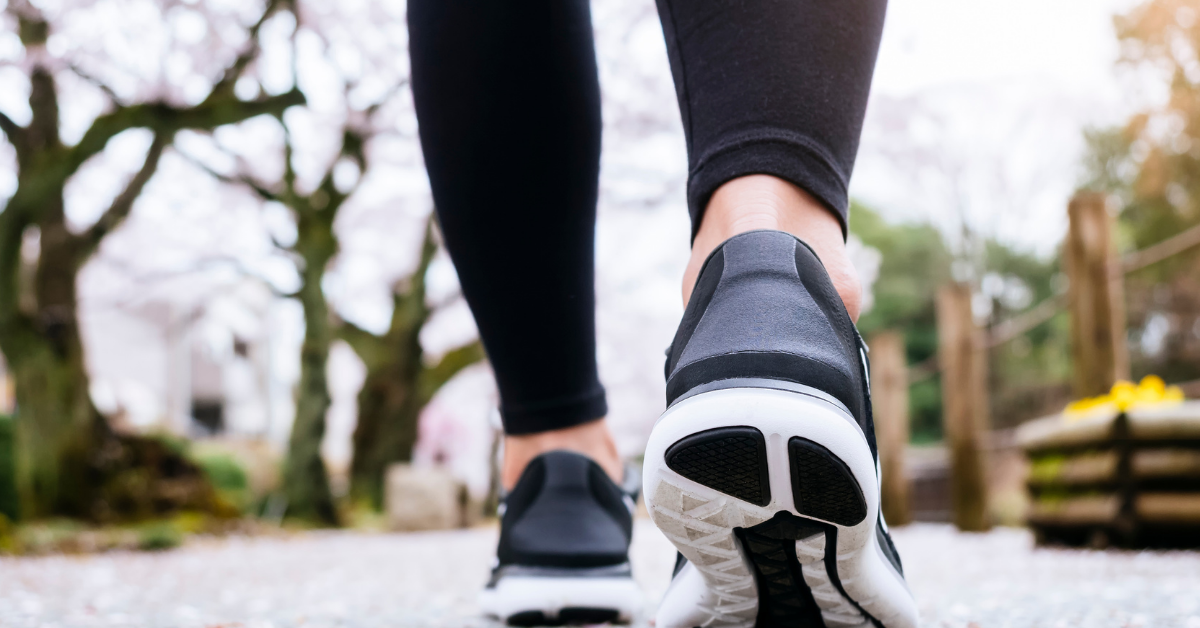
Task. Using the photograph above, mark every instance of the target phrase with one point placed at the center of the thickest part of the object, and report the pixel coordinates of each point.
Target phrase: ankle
(590, 439)
(765, 202)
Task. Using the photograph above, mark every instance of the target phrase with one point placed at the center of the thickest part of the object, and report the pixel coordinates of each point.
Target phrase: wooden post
(8, 398)
(962, 357)
(1095, 298)
(889, 400)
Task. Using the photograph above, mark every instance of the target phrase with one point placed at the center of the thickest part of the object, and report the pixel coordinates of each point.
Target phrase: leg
(759, 201)
(762, 469)
(508, 100)
(778, 88)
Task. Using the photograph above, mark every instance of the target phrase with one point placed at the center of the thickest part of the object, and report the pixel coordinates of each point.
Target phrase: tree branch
(289, 170)
(360, 340)
(163, 118)
(123, 203)
(224, 86)
(13, 131)
(241, 179)
(219, 108)
(434, 378)
(95, 82)
(429, 247)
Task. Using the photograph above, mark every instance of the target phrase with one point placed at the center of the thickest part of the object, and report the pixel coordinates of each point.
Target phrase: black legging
(508, 100)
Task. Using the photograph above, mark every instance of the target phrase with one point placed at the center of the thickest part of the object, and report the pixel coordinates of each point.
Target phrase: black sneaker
(763, 470)
(563, 556)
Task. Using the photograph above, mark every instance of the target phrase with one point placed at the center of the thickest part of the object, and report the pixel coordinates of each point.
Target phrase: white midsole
(521, 594)
(699, 520)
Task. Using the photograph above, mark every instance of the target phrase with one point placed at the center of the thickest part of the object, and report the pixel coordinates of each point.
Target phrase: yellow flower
(1151, 391)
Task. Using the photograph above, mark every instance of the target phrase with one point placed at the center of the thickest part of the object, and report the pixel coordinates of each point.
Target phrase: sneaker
(563, 556)
(763, 470)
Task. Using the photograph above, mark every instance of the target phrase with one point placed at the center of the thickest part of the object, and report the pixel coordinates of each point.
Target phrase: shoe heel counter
(764, 307)
(571, 515)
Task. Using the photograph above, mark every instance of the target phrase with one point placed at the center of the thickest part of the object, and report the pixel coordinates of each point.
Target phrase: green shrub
(8, 483)
(159, 535)
(225, 472)
(228, 477)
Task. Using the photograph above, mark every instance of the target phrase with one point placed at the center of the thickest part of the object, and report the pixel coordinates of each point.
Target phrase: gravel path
(377, 580)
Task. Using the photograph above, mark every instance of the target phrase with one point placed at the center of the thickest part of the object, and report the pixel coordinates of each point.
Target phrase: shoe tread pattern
(565, 617)
(823, 486)
(783, 594)
(701, 525)
(836, 609)
(732, 460)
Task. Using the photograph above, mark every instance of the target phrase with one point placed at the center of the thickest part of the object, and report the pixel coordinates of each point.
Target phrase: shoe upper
(764, 308)
(565, 512)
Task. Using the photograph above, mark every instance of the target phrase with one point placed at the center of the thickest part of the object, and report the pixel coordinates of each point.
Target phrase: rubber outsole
(823, 486)
(732, 460)
(565, 617)
(550, 600)
(805, 552)
(784, 599)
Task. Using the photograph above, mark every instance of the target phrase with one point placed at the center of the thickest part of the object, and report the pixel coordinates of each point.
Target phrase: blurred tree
(915, 262)
(1027, 375)
(350, 59)
(69, 461)
(1152, 165)
(305, 479)
(399, 383)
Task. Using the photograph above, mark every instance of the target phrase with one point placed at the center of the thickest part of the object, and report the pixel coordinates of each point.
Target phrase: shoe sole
(549, 600)
(773, 496)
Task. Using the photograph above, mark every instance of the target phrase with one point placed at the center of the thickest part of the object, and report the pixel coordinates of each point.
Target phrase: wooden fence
(1094, 301)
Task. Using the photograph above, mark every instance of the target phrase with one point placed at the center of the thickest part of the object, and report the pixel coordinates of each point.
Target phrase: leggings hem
(553, 414)
(789, 158)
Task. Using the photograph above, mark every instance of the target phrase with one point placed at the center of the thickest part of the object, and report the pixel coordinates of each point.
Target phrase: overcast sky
(979, 107)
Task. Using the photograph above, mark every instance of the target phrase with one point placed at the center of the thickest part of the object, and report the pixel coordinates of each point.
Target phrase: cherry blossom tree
(161, 69)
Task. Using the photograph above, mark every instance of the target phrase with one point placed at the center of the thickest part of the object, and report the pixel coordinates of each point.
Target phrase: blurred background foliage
(1029, 374)
(915, 263)
(1151, 165)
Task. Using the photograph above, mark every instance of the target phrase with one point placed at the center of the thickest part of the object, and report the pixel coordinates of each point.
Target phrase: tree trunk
(306, 480)
(398, 385)
(386, 431)
(56, 423)
(55, 428)
(69, 461)
(389, 410)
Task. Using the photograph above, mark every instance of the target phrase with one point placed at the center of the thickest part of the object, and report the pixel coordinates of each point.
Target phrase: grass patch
(159, 535)
(66, 536)
(228, 477)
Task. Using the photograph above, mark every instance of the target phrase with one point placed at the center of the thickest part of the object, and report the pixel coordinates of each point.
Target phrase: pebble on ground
(360, 580)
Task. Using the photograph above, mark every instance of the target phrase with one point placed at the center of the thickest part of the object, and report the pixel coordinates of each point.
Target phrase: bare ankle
(590, 439)
(765, 202)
